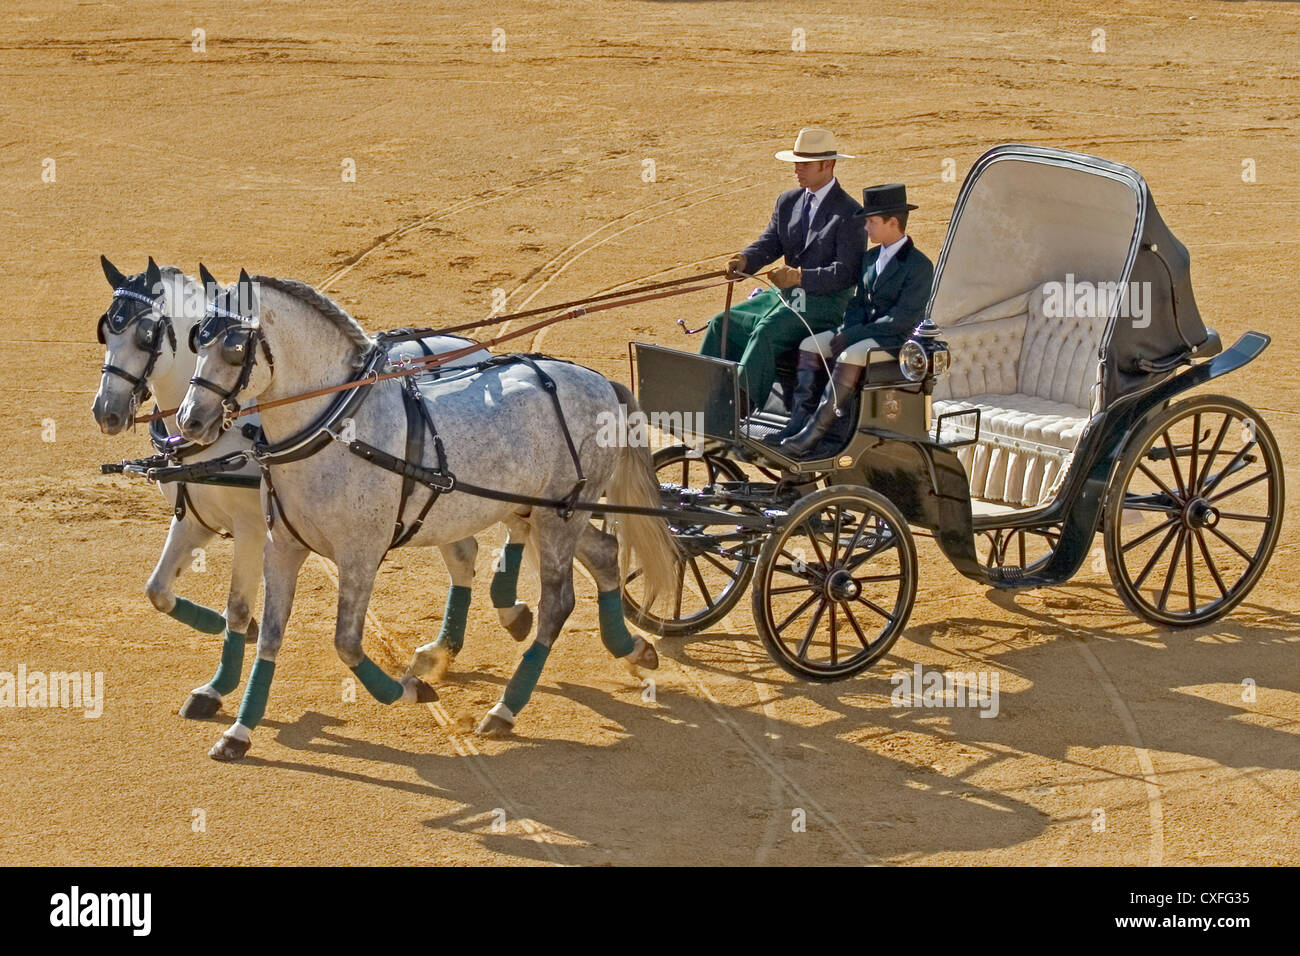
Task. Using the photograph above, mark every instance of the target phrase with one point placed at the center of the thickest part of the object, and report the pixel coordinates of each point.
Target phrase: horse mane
(324, 305)
(169, 275)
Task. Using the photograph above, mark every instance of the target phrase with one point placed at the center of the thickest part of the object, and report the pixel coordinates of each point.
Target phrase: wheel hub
(840, 585)
(1199, 513)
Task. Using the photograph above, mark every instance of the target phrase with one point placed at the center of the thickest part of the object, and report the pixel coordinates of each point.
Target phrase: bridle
(240, 340)
(149, 336)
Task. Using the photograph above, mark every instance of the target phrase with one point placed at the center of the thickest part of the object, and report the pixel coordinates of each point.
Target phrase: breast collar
(328, 425)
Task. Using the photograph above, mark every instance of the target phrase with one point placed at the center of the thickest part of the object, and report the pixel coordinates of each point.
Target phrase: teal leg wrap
(452, 634)
(382, 687)
(198, 617)
(259, 686)
(525, 677)
(506, 580)
(226, 678)
(613, 629)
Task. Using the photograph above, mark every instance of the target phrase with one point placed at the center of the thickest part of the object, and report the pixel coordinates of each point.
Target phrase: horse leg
(183, 538)
(557, 540)
(246, 572)
(356, 582)
(281, 572)
(598, 552)
(515, 615)
(432, 660)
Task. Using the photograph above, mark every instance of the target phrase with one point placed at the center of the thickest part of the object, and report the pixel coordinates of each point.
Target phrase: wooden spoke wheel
(1194, 511)
(717, 562)
(834, 588)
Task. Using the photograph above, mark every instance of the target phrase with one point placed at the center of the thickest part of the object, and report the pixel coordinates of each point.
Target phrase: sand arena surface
(522, 170)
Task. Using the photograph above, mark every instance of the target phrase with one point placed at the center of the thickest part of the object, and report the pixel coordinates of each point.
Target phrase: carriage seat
(1032, 378)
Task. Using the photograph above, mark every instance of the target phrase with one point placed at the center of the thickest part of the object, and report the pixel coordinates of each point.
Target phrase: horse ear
(243, 276)
(206, 277)
(111, 273)
(153, 275)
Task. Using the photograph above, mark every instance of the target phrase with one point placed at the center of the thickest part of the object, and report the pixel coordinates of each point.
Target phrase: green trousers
(763, 327)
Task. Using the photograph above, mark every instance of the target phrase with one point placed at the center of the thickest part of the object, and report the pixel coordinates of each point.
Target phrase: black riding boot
(836, 401)
(810, 379)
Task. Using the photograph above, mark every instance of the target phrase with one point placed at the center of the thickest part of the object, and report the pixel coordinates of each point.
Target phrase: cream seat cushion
(1032, 377)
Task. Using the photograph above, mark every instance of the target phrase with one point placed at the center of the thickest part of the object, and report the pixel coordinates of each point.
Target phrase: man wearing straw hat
(892, 293)
(814, 228)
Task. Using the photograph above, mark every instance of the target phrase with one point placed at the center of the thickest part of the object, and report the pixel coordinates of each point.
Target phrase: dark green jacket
(890, 307)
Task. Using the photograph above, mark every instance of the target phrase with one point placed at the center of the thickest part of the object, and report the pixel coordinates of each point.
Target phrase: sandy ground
(522, 170)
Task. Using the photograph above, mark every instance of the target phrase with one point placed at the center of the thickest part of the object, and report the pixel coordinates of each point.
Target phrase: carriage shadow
(662, 772)
(1199, 710)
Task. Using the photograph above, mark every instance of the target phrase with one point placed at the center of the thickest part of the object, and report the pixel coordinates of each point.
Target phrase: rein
(411, 366)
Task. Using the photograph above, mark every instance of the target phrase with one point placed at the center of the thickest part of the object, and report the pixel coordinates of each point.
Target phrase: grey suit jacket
(831, 259)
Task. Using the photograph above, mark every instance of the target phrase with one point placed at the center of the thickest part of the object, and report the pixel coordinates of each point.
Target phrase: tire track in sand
(465, 746)
(782, 782)
(469, 202)
(535, 344)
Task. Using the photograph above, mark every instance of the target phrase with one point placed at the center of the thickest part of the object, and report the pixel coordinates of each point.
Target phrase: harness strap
(415, 425)
(274, 504)
(185, 503)
(549, 387)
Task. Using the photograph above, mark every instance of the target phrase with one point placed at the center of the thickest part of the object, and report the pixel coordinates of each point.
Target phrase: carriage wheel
(835, 585)
(1194, 511)
(714, 572)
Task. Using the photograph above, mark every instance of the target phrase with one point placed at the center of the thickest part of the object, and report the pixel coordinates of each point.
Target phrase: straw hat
(812, 145)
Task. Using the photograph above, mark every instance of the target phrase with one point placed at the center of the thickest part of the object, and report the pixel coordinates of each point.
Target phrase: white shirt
(814, 203)
(887, 253)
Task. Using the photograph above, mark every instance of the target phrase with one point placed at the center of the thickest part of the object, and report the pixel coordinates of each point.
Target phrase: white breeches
(855, 354)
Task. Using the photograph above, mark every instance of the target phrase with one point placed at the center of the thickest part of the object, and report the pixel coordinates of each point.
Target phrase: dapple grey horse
(148, 335)
(529, 430)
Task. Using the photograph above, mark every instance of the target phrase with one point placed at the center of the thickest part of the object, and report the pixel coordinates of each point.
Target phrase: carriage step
(1008, 574)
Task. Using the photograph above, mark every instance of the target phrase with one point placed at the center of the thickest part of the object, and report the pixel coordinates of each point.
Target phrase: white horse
(148, 334)
(331, 474)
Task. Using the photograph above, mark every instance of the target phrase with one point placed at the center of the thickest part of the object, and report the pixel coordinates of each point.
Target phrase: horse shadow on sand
(679, 780)
(679, 783)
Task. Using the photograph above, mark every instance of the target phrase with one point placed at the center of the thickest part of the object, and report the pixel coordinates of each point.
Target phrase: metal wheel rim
(738, 579)
(854, 546)
(1197, 525)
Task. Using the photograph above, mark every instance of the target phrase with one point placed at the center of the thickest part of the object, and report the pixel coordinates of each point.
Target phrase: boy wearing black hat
(890, 302)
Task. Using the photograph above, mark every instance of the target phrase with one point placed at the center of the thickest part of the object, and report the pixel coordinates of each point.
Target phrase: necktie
(807, 216)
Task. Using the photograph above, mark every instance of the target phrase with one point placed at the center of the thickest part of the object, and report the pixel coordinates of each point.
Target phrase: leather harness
(419, 420)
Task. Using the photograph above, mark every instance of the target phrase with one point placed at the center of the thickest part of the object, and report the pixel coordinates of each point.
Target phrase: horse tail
(634, 483)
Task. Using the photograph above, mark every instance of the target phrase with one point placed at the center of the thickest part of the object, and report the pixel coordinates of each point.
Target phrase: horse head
(139, 335)
(227, 342)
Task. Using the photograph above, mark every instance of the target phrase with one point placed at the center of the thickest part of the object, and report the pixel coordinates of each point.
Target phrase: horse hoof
(417, 691)
(200, 706)
(250, 636)
(229, 748)
(647, 657)
(522, 625)
(431, 663)
(494, 725)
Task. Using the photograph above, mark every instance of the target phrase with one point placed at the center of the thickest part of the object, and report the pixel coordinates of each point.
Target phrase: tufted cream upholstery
(1032, 377)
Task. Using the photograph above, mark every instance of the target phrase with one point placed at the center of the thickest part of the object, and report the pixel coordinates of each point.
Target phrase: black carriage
(1042, 399)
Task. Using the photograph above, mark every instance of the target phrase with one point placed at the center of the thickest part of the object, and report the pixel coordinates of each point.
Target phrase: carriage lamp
(923, 355)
